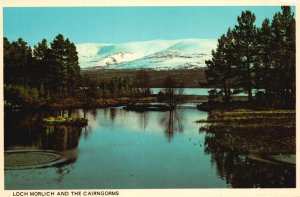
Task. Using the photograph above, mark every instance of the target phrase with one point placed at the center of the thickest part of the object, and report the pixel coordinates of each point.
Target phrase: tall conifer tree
(246, 46)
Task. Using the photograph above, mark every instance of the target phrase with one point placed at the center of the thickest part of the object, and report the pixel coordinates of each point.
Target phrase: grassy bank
(238, 102)
(70, 103)
(100, 102)
(252, 131)
(65, 121)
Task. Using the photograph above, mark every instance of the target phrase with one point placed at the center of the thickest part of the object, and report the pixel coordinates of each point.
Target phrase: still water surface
(121, 149)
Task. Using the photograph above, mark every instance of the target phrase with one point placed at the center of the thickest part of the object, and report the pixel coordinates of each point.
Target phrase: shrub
(19, 95)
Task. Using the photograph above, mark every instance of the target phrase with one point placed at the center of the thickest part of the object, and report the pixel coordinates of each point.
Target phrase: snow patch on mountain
(158, 54)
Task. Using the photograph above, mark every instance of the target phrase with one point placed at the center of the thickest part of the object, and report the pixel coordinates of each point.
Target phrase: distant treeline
(256, 57)
(191, 78)
(114, 87)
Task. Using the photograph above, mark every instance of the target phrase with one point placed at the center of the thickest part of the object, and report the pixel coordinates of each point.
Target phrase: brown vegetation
(262, 132)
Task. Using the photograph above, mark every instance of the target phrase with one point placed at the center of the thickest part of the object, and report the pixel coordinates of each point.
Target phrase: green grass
(65, 121)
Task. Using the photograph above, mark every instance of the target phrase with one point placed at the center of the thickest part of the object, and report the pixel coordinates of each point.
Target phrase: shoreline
(264, 132)
(76, 103)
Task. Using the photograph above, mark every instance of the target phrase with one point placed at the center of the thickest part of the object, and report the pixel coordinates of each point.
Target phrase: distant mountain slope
(158, 54)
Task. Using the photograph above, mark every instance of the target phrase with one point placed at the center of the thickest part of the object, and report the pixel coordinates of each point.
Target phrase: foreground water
(121, 149)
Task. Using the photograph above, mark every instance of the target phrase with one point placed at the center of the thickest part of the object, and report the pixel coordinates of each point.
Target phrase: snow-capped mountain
(158, 54)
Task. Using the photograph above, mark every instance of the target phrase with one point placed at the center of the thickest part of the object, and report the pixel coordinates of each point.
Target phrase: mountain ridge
(156, 54)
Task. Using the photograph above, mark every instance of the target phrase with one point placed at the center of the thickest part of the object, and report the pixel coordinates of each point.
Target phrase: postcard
(156, 99)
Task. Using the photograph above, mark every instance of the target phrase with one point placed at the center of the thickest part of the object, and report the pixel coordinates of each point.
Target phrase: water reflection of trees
(93, 112)
(60, 137)
(112, 113)
(144, 119)
(242, 172)
(26, 130)
(172, 123)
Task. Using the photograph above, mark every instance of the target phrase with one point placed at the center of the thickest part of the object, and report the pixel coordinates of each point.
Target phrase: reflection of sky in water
(135, 121)
(126, 149)
(134, 152)
(131, 150)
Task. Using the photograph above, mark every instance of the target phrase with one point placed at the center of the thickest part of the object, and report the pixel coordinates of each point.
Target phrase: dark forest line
(189, 78)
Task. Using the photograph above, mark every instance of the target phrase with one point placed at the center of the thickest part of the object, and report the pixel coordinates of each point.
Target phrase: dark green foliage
(160, 96)
(41, 53)
(64, 64)
(263, 65)
(284, 59)
(276, 65)
(117, 87)
(42, 73)
(189, 77)
(213, 95)
(20, 95)
(219, 70)
(111, 88)
(245, 35)
(263, 58)
(17, 62)
(143, 79)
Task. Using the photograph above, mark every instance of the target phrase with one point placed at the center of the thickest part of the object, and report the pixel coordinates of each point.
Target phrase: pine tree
(42, 67)
(284, 43)
(42, 72)
(264, 58)
(219, 70)
(72, 66)
(7, 58)
(64, 66)
(264, 65)
(17, 60)
(58, 66)
(245, 34)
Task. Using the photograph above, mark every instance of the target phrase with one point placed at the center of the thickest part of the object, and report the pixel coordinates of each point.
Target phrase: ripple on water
(26, 159)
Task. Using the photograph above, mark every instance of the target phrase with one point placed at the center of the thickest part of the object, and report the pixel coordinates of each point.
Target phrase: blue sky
(124, 24)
